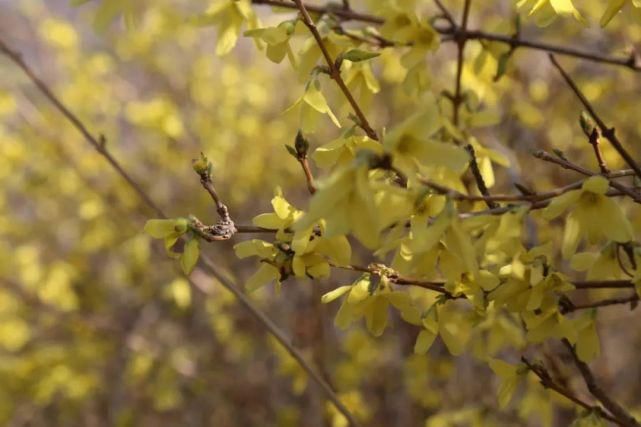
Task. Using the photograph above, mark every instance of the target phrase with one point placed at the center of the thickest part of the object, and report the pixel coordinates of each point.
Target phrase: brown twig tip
(606, 131)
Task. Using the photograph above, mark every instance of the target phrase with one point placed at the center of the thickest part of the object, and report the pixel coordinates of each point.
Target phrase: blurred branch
(630, 62)
(623, 418)
(547, 381)
(208, 264)
(607, 132)
(99, 143)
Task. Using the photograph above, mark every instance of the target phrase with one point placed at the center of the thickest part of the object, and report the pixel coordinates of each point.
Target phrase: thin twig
(594, 142)
(457, 100)
(629, 62)
(334, 71)
(548, 382)
(632, 300)
(446, 13)
(606, 131)
(622, 416)
(480, 182)
(566, 164)
(98, 143)
(207, 263)
(461, 40)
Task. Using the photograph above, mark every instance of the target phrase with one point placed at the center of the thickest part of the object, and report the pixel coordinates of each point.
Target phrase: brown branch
(309, 178)
(594, 142)
(622, 417)
(630, 62)
(206, 262)
(606, 131)
(460, 39)
(632, 300)
(480, 182)
(446, 13)
(566, 164)
(334, 71)
(547, 381)
(346, 14)
(98, 143)
(457, 99)
(602, 284)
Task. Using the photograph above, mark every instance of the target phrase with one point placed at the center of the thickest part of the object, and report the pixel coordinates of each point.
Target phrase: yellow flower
(277, 40)
(593, 215)
(413, 143)
(370, 297)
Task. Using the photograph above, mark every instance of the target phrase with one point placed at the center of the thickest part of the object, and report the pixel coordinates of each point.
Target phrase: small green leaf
(357, 55)
(161, 228)
(190, 255)
(291, 150)
(502, 65)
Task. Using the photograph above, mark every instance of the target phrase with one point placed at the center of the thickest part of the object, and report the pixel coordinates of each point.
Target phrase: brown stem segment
(622, 417)
(334, 71)
(606, 131)
(548, 382)
(309, 178)
(629, 62)
(594, 142)
(566, 164)
(207, 263)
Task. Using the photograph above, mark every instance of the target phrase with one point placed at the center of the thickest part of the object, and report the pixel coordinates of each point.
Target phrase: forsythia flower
(593, 215)
(368, 299)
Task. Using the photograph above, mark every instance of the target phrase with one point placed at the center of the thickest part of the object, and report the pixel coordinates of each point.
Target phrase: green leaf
(190, 255)
(161, 228)
(357, 55)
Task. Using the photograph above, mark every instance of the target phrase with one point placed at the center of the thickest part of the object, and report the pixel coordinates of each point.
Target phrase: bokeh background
(97, 325)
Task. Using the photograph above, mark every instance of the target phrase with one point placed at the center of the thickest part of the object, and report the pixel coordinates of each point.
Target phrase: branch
(480, 182)
(623, 418)
(630, 62)
(207, 263)
(606, 131)
(547, 381)
(457, 99)
(632, 300)
(99, 143)
(346, 14)
(334, 71)
(460, 40)
(566, 164)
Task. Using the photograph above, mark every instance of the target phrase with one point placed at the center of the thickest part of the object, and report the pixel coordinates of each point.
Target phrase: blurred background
(97, 325)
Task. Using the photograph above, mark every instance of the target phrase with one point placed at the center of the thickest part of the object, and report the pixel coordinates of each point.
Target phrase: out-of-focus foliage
(99, 327)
